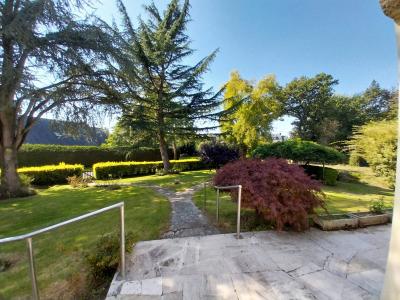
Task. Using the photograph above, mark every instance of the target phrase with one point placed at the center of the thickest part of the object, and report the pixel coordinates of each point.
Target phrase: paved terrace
(264, 265)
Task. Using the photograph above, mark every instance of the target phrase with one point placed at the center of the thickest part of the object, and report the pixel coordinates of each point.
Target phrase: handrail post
(122, 246)
(217, 205)
(32, 271)
(205, 196)
(238, 212)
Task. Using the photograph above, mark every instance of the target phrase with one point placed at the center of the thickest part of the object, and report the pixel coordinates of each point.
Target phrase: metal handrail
(239, 187)
(28, 237)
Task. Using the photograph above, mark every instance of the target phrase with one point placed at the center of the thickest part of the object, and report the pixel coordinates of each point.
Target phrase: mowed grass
(344, 197)
(60, 254)
(175, 182)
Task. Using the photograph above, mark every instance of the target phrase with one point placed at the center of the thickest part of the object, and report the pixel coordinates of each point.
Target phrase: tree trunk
(164, 151)
(175, 150)
(10, 182)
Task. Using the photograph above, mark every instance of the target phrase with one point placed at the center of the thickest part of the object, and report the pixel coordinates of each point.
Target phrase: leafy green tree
(309, 100)
(46, 56)
(377, 102)
(374, 104)
(376, 142)
(256, 107)
(160, 94)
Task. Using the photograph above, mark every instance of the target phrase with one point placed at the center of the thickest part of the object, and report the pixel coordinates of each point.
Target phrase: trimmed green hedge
(299, 151)
(317, 172)
(38, 155)
(52, 174)
(107, 170)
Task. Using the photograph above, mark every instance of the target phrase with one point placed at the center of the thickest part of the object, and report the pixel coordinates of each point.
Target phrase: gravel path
(187, 220)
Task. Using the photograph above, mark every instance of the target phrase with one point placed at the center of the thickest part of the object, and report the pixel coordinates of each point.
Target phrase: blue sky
(350, 39)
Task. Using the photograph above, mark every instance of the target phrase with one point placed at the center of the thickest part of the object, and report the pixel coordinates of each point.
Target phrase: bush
(52, 174)
(280, 192)
(377, 206)
(217, 154)
(103, 261)
(37, 155)
(328, 176)
(78, 181)
(376, 142)
(299, 151)
(109, 170)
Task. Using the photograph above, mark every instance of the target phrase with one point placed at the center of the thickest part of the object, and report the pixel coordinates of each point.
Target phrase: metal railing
(28, 237)
(218, 188)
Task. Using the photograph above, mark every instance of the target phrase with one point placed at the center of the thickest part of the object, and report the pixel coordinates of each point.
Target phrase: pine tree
(158, 93)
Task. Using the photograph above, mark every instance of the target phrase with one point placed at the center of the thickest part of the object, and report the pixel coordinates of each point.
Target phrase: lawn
(176, 182)
(353, 196)
(59, 254)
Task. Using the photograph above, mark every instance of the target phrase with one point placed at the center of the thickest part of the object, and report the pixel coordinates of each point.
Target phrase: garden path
(186, 220)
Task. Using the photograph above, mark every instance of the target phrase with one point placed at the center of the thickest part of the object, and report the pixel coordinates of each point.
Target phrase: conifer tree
(158, 92)
(46, 55)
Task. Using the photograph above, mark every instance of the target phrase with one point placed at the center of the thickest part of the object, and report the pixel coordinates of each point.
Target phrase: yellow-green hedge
(52, 174)
(106, 170)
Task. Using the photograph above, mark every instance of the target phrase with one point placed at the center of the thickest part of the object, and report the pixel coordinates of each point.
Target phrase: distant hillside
(47, 131)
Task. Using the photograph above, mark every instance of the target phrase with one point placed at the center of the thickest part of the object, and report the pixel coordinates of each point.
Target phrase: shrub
(109, 170)
(328, 176)
(376, 142)
(52, 174)
(217, 154)
(377, 206)
(36, 155)
(299, 151)
(280, 192)
(103, 261)
(78, 181)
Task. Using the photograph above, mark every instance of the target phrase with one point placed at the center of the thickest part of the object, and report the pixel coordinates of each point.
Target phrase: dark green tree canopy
(309, 101)
(47, 54)
(158, 93)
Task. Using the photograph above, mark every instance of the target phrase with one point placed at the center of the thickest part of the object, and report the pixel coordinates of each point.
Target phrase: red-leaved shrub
(280, 192)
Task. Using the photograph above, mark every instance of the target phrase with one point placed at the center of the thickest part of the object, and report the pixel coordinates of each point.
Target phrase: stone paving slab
(263, 265)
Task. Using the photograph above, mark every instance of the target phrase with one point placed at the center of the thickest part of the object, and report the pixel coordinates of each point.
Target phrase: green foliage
(52, 174)
(26, 180)
(256, 106)
(161, 97)
(37, 155)
(377, 206)
(328, 176)
(299, 151)
(326, 118)
(110, 170)
(104, 260)
(376, 142)
(45, 38)
(309, 101)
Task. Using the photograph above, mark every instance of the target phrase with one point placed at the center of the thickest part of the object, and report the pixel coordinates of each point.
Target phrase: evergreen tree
(46, 54)
(158, 93)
